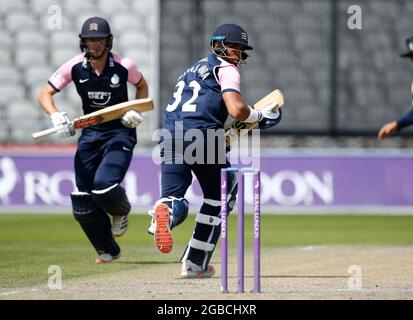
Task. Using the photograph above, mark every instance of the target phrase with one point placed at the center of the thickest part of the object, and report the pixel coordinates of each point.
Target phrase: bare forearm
(45, 97)
(142, 90)
(236, 106)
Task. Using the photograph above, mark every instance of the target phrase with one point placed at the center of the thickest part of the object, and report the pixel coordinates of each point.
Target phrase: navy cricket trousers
(103, 158)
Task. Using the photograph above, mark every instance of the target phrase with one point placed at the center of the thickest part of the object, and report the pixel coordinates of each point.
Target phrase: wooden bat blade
(103, 115)
(275, 96)
(112, 113)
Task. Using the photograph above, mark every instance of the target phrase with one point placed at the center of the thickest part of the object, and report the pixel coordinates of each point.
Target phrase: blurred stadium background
(338, 82)
(341, 85)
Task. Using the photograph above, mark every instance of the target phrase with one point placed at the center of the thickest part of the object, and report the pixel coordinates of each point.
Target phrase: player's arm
(142, 90)
(236, 107)
(59, 119)
(394, 126)
(387, 130)
(132, 118)
(229, 79)
(57, 82)
(239, 110)
(45, 97)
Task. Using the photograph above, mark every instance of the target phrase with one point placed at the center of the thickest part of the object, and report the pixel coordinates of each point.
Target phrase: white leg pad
(201, 245)
(207, 219)
(214, 203)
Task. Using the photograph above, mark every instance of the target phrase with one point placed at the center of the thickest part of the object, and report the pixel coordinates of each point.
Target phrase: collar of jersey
(110, 63)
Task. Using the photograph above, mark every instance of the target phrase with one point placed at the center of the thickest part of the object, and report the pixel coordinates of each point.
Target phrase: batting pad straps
(207, 219)
(214, 203)
(200, 245)
(113, 200)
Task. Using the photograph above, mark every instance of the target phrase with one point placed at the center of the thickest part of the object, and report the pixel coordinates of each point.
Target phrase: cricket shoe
(192, 271)
(106, 258)
(119, 225)
(160, 227)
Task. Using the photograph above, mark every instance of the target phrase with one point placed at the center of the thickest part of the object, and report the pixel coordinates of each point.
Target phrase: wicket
(240, 242)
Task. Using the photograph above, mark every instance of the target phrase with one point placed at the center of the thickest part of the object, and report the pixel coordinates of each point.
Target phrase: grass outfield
(29, 244)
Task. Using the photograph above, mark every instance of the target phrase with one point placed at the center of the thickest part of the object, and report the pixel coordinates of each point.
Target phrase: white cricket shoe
(119, 225)
(152, 227)
(192, 271)
(106, 258)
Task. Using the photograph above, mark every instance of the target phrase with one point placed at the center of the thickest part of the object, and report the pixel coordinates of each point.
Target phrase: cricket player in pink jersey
(104, 151)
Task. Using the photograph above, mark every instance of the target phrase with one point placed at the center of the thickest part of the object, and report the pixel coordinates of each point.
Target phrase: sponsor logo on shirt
(99, 98)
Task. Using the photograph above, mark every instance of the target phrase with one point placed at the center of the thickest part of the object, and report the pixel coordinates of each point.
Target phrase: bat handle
(45, 132)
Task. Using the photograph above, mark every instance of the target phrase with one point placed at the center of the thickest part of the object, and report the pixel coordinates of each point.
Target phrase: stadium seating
(41, 6)
(20, 20)
(5, 41)
(5, 58)
(10, 92)
(291, 41)
(9, 74)
(64, 39)
(30, 39)
(37, 74)
(22, 110)
(10, 6)
(33, 45)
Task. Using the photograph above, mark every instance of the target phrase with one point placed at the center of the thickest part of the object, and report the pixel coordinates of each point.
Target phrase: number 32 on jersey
(188, 106)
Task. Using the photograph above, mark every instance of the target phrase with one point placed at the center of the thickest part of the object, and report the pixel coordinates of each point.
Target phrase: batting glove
(61, 120)
(266, 123)
(269, 113)
(132, 119)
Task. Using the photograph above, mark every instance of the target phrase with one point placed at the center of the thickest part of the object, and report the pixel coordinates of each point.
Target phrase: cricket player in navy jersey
(104, 151)
(392, 127)
(205, 94)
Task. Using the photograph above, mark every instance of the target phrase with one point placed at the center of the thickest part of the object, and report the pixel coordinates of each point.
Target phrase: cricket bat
(243, 128)
(104, 115)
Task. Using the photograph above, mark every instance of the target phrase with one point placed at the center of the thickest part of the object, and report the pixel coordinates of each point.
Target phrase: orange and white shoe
(161, 232)
(192, 271)
(106, 258)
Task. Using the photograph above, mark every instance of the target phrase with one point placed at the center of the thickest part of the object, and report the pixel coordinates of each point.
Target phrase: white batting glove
(132, 119)
(268, 111)
(61, 120)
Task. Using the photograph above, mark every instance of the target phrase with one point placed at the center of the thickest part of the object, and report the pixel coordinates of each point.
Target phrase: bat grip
(45, 132)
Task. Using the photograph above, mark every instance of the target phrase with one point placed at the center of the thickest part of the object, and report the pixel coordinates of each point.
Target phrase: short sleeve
(229, 79)
(134, 75)
(63, 76)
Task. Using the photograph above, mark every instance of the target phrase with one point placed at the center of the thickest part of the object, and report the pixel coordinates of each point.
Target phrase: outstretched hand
(387, 130)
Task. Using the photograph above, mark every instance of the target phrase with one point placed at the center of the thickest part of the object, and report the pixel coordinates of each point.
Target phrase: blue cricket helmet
(95, 27)
(231, 33)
